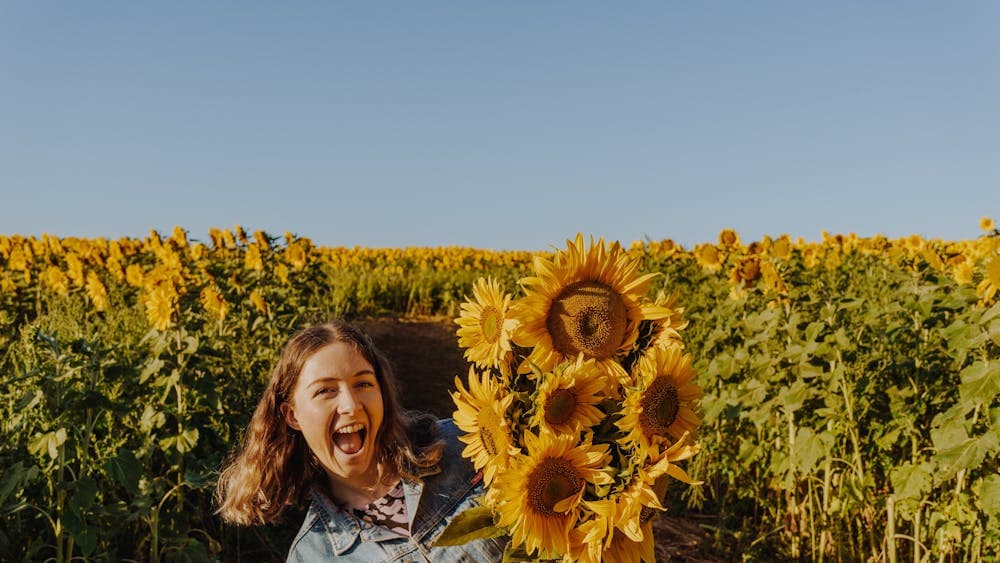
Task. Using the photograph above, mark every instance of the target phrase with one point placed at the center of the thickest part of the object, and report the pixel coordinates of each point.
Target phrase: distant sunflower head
(987, 224)
(160, 302)
(481, 414)
(484, 325)
(659, 410)
(728, 238)
(708, 257)
(567, 399)
(541, 504)
(746, 272)
(585, 300)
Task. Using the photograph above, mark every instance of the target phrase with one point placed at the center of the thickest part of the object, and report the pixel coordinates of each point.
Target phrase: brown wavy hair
(273, 468)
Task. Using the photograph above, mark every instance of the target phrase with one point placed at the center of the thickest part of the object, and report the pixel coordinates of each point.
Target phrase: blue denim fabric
(329, 533)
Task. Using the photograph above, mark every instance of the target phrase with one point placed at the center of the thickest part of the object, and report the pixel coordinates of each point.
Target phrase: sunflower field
(849, 406)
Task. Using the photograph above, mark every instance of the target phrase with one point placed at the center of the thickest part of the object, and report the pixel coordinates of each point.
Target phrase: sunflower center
(660, 405)
(490, 324)
(560, 406)
(587, 317)
(552, 480)
(645, 515)
(486, 437)
(488, 420)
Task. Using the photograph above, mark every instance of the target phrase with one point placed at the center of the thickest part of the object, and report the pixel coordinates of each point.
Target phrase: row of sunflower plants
(850, 407)
(130, 367)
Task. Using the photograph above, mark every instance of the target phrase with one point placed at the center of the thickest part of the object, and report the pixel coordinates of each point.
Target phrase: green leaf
(473, 524)
(910, 481)
(992, 312)
(989, 495)
(125, 469)
(813, 330)
(14, 478)
(86, 492)
(517, 554)
(980, 383)
(190, 346)
(793, 397)
(87, 540)
(152, 368)
(151, 419)
(183, 442)
(967, 455)
(810, 448)
(187, 440)
(994, 332)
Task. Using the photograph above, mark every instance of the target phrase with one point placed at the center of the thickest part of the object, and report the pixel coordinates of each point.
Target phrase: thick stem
(792, 501)
(890, 534)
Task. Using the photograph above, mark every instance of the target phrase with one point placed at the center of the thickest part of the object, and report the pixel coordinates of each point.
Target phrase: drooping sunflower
(481, 413)
(586, 299)
(660, 408)
(484, 325)
(567, 398)
(540, 502)
(588, 539)
(97, 292)
(637, 506)
(213, 302)
(991, 283)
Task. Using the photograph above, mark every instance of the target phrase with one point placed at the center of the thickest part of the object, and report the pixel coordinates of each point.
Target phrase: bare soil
(426, 358)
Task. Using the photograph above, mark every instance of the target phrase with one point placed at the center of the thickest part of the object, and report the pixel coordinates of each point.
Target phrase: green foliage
(854, 416)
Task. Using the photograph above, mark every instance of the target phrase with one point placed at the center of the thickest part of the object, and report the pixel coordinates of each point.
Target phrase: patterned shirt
(388, 512)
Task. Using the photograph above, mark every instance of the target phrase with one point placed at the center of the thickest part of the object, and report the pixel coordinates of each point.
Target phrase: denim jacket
(449, 488)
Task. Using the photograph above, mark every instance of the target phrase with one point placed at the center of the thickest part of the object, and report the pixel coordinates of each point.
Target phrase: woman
(381, 483)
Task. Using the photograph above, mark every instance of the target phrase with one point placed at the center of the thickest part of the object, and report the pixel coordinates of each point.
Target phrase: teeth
(350, 428)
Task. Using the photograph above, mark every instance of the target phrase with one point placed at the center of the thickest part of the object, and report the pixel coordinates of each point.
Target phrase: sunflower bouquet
(578, 406)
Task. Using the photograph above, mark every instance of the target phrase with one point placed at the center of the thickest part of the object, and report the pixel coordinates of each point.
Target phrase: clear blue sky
(506, 125)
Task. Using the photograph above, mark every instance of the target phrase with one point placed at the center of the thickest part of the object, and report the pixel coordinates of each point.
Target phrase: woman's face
(337, 405)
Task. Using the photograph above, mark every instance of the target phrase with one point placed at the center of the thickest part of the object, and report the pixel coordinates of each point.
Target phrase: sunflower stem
(890, 534)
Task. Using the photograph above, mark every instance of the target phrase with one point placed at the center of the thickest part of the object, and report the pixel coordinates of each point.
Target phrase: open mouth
(350, 439)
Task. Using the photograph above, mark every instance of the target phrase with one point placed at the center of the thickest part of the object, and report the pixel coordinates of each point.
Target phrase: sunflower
(97, 292)
(160, 306)
(660, 408)
(481, 414)
(74, 269)
(987, 224)
(991, 284)
(567, 399)
(253, 259)
(588, 539)
(708, 257)
(257, 300)
(663, 330)
(962, 272)
(746, 272)
(587, 299)
(728, 238)
(484, 326)
(781, 248)
(56, 280)
(214, 303)
(540, 503)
